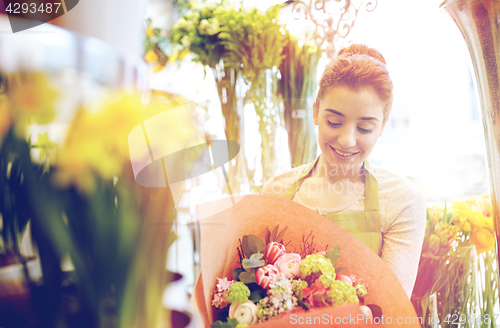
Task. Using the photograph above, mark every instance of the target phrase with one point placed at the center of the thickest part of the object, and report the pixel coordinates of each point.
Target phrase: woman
(383, 210)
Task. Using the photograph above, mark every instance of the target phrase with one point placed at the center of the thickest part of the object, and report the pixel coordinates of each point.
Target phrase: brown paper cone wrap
(219, 239)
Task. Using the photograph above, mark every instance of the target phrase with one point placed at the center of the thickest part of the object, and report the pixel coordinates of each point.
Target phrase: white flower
(204, 25)
(192, 15)
(185, 41)
(245, 313)
(213, 27)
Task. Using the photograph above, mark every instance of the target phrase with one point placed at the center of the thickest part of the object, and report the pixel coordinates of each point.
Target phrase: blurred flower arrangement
(85, 206)
(240, 45)
(247, 40)
(159, 49)
(458, 264)
(271, 283)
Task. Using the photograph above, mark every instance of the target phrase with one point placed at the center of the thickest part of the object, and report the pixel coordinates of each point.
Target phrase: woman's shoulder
(279, 184)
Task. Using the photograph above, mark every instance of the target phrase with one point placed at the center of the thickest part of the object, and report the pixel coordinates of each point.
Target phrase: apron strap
(296, 185)
(371, 189)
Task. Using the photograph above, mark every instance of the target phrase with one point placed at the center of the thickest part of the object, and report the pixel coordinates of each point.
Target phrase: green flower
(361, 290)
(297, 287)
(238, 293)
(341, 293)
(317, 265)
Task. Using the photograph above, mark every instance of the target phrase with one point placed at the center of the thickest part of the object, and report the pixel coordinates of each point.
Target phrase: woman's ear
(315, 113)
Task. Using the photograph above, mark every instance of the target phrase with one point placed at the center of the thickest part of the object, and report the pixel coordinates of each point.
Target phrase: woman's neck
(337, 172)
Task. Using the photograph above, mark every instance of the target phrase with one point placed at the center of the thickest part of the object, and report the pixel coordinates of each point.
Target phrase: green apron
(366, 226)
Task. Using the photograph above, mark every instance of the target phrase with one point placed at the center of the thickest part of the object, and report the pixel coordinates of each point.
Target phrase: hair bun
(361, 49)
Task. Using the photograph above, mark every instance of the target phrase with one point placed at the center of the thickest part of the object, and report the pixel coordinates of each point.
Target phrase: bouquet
(457, 266)
(283, 279)
(270, 283)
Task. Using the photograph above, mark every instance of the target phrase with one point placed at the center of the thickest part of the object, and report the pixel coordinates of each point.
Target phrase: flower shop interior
(102, 186)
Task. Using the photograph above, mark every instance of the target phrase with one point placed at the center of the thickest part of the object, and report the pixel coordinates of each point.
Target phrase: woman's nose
(347, 138)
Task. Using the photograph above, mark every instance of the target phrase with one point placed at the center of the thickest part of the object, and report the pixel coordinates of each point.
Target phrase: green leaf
(236, 273)
(338, 269)
(247, 278)
(450, 216)
(280, 236)
(255, 244)
(257, 295)
(267, 236)
(245, 247)
(254, 261)
(229, 324)
(333, 255)
(274, 233)
(443, 219)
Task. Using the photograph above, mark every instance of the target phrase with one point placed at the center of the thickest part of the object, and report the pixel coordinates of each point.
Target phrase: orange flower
(483, 240)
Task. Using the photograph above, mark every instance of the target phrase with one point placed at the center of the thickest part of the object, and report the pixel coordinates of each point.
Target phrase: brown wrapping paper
(223, 224)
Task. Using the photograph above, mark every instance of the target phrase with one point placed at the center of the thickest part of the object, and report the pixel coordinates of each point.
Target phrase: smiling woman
(385, 211)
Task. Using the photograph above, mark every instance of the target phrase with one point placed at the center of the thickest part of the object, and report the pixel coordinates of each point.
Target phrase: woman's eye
(365, 130)
(334, 124)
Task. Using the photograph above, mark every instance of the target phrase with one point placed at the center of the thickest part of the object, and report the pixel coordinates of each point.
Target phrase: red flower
(265, 274)
(273, 252)
(315, 294)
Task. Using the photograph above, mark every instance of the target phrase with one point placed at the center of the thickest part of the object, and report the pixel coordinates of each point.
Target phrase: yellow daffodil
(32, 99)
(483, 240)
(158, 68)
(183, 54)
(477, 220)
(447, 233)
(151, 56)
(5, 117)
(150, 31)
(44, 145)
(173, 57)
(466, 226)
(98, 141)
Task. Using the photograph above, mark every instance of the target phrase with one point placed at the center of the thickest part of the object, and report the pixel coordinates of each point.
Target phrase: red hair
(355, 67)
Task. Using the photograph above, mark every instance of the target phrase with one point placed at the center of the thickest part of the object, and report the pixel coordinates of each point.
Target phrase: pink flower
(342, 277)
(224, 284)
(220, 300)
(265, 274)
(273, 252)
(289, 265)
(314, 294)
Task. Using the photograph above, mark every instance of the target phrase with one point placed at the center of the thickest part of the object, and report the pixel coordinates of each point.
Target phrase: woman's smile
(343, 154)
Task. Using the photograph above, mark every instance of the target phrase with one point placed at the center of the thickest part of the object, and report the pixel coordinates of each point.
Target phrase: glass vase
(229, 90)
(478, 23)
(262, 95)
(456, 289)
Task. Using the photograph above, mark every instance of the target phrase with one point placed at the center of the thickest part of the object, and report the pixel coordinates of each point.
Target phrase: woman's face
(349, 122)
